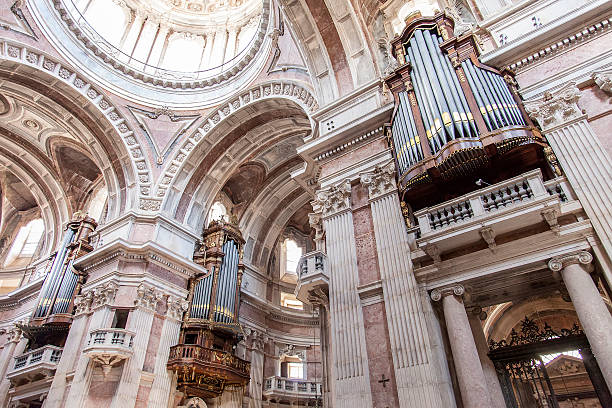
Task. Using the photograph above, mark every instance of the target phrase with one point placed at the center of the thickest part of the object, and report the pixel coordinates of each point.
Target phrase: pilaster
(416, 376)
(14, 346)
(255, 341)
(584, 160)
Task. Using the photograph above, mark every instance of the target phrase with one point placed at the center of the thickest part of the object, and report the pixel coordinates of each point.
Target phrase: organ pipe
(452, 112)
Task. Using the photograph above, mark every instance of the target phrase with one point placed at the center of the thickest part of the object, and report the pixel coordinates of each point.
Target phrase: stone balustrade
(500, 208)
(40, 360)
(312, 273)
(118, 343)
(280, 388)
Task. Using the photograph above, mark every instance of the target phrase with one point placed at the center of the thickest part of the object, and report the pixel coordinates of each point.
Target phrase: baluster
(514, 195)
(527, 188)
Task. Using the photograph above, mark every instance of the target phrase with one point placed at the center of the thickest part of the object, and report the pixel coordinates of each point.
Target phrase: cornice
(146, 252)
(275, 313)
(21, 295)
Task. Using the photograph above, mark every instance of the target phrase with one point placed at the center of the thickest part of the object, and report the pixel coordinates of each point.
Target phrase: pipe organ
(455, 119)
(63, 282)
(203, 360)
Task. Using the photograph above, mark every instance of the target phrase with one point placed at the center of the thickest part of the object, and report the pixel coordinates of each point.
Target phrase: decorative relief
(316, 223)
(176, 307)
(456, 289)
(381, 181)
(603, 79)
(147, 297)
(14, 335)
(82, 303)
(255, 340)
(560, 262)
(555, 108)
(333, 199)
(103, 295)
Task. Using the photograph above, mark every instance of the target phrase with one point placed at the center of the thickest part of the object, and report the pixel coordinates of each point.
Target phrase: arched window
(26, 241)
(217, 212)
(108, 19)
(183, 53)
(292, 255)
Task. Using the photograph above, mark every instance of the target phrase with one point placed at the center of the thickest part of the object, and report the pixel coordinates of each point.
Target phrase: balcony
(110, 346)
(290, 391)
(205, 372)
(40, 362)
(313, 274)
(517, 203)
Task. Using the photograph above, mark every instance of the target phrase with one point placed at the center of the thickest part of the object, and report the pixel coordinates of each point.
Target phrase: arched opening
(26, 243)
(217, 212)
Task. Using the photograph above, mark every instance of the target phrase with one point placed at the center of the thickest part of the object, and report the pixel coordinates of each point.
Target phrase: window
(100, 13)
(295, 370)
(26, 241)
(183, 53)
(289, 300)
(217, 212)
(97, 203)
(120, 318)
(293, 255)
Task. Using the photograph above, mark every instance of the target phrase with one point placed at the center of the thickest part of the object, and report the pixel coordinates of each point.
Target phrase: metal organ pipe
(415, 144)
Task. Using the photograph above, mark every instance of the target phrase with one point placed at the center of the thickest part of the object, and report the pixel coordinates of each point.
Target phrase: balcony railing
(207, 355)
(510, 205)
(312, 271)
(44, 358)
(288, 387)
(114, 342)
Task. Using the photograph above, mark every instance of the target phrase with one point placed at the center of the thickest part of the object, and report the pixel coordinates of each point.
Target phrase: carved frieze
(333, 199)
(380, 181)
(555, 108)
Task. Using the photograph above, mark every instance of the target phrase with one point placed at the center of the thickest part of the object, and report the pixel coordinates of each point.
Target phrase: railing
(524, 188)
(311, 263)
(44, 357)
(300, 388)
(313, 273)
(119, 342)
(207, 355)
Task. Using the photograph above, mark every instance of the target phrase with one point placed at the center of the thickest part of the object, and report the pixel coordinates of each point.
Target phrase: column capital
(147, 297)
(176, 307)
(559, 262)
(103, 295)
(603, 79)
(380, 181)
(456, 289)
(15, 334)
(333, 199)
(555, 108)
(255, 339)
(82, 303)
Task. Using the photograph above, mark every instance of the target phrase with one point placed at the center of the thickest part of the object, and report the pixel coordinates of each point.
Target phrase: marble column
(255, 343)
(160, 389)
(350, 367)
(488, 368)
(206, 62)
(140, 322)
(102, 297)
(470, 376)
(218, 49)
(71, 351)
(318, 298)
(416, 377)
(594, 316)
(14, 346)
(158, 45)
(583, 158)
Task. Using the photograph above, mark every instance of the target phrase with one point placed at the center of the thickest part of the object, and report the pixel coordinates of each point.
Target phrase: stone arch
(199, 154)
(127, 164)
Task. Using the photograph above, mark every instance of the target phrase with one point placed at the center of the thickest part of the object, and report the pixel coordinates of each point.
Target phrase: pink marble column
(594, 316)
(472, 381)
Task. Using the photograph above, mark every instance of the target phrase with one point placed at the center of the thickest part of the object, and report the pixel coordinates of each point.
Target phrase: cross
(384, 381)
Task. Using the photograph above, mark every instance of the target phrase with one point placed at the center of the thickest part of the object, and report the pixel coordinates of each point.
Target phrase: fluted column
(592, 312)
(255, 343)
(102, 297)
(351, 382)
(583, 158)
(161, 387)
(158, 45)
(488, 368)
(318, 298)
(218, 50)
(470, 376)
(14, 346)
(416, 376)
(71, 351)
(206, 63)
(140, 322)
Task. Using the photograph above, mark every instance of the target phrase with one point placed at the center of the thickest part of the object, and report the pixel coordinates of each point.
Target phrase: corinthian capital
(560, 262)
(333, 199)
(103, 295)
(380, 181)
(147, 297)
(555, 108)
(176, 307)
(603, 79)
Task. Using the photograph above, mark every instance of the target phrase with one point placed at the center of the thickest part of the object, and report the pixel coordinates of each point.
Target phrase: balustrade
(112, 341)
(43, 358)
(312, 270)
(282, 386)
